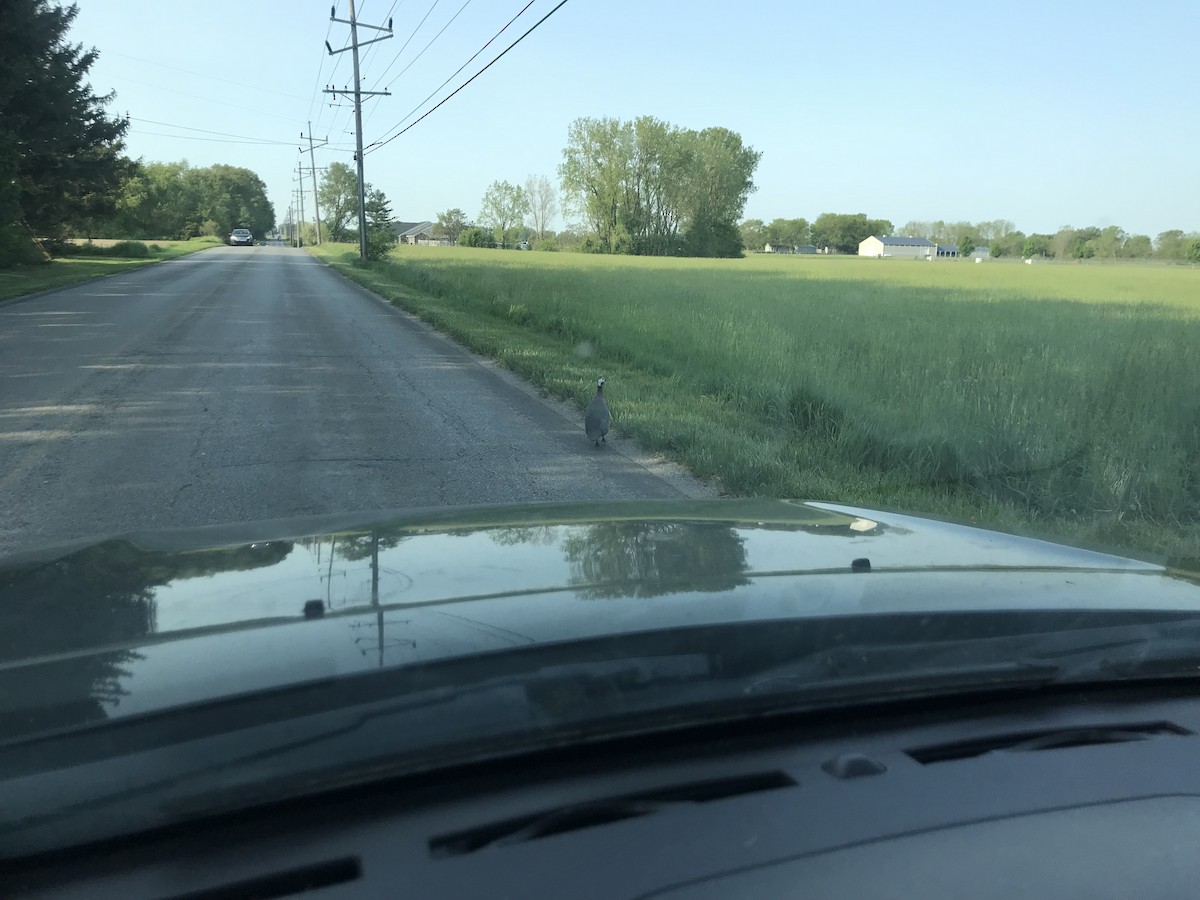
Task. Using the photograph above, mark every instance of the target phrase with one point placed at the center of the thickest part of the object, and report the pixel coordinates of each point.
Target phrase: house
(789, 248)
(981, 253)
(900, 247)
(947, 251)
(418, 233)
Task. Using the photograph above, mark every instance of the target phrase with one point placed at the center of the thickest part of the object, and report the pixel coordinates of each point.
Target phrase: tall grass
(1048, 397)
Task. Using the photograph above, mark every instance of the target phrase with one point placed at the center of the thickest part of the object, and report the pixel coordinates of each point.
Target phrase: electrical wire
(240, 138)
(406, 43)
(159, 87)
(454, 74)
(202, 74)
(412, 61)
(253, 141)
(424, 115)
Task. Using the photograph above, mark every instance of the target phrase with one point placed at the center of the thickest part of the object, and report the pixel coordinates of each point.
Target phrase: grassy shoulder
(1052, 400)
(21, 280)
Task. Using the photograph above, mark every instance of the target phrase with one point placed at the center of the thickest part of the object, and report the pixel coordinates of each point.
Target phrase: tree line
(63, 172)
(844, 232)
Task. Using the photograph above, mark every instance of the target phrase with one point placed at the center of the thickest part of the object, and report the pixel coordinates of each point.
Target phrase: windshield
(553, 325)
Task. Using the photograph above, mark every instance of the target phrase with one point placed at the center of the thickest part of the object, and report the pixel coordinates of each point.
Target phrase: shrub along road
(243, 384)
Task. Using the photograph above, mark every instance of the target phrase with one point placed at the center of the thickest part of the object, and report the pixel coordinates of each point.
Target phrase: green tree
(754, 234)
(1008, 244)
(503, 206)
(722, 180)
(381, 239)
(1192, 251)
(966, 245)
(788, 232)
(1138, 246)
(648, 187)
(1038, 245)
(59, 152)
(845, 231)
(450, 223)
(474, 236)
(1170, 244)
(338, 194)
(1109, 243)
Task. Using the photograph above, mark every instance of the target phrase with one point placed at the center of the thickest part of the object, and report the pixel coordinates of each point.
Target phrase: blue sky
(1051, 114)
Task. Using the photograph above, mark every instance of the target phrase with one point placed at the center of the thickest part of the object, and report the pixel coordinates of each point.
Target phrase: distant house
(899, 247)
(981, 253)
(789, 248)
(947, 251)
(418, 233)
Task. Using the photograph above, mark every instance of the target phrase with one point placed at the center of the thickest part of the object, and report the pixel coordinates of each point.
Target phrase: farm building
(947, 251)
(417, 233)
(789, 248)
(899, 247)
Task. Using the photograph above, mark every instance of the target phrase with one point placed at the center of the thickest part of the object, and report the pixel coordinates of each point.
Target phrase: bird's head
(600, 383)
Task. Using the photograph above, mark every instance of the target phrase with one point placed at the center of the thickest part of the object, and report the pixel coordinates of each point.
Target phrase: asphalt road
(241, 384)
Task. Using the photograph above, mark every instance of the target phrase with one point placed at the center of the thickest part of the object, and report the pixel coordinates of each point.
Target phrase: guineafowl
(596, 418)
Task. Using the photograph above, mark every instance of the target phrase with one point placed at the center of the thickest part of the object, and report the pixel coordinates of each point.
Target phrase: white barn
(899, 247)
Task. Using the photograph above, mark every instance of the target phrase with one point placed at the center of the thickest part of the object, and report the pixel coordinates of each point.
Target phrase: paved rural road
(241, 384)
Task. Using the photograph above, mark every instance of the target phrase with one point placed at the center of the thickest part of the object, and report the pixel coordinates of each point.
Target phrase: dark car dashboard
(1081, 793)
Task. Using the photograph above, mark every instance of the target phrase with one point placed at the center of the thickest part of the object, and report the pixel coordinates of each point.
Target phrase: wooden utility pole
(312, 167)
(358, 94)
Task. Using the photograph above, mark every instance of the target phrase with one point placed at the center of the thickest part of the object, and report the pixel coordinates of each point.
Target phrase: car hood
(148, 621)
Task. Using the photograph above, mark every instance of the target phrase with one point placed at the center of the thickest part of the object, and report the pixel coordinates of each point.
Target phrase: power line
(413, 61)
(190, 137)
(205, 131)
(159, 87)
(202, 74)
(403, 46)
(455, 73)
(532, 28)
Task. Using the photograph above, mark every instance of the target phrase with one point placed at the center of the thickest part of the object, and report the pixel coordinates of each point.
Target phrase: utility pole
(296, 205)
(312, 167)
(300, 179)
(359, 93)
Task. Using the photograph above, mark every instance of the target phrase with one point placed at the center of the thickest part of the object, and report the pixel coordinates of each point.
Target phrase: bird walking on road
(596, 417)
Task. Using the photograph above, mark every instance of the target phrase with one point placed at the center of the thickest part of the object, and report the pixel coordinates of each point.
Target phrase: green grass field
(21, 280)
(1052, 399)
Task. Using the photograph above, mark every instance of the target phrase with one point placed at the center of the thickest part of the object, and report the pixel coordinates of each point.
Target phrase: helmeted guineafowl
(596, 418)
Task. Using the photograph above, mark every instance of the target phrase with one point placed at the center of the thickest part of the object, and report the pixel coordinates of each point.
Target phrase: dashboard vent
(286, 883)
(1052, 739)
(578, 816)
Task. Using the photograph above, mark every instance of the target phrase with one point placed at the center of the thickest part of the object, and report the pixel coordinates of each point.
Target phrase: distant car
(241, 236)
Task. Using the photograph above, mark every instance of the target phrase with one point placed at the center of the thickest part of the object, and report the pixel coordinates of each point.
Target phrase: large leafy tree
(451, 223)
(503, 206)
(648, 187)
(338, 194)
(59, 150)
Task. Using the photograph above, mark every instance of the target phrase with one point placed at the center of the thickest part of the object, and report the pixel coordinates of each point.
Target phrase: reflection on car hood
(149, 621)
